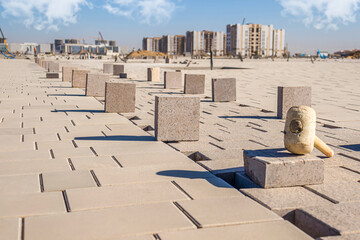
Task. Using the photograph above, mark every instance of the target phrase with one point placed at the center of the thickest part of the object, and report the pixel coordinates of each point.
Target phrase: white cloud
(322, 14)
(43, 14)
(145, 11)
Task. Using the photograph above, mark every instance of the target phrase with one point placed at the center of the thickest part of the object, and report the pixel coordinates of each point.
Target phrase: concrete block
(108, 68)
(272, 168)
(53, 67)
(292, 96)
(79, 78)
(95, 84)
(177, 118)
(123, 75)
(223, 89)
(194, 84)
(211, 212)
(153, 74)
(67, 74)
(172, 80)
(52, 75)
(277, 230)
(118, 68)
(120, 97)
(59, 181)
(330, 220)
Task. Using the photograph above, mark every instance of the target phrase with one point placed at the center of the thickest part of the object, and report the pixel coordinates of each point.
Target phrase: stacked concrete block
(118, 68)
(95, 84)
(292, 96)
(153, 74)
(172, 80)
(79, 78)
(194, 84)
(67, 74)
(53, 67)
(275, 168)
(224, 89)
(52, 75)
(120, 97)
(177, 118)
(108, 68)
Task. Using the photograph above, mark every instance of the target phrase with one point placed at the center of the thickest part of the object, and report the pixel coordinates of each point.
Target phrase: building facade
(171, 45)
(201, 43)
(254, 40)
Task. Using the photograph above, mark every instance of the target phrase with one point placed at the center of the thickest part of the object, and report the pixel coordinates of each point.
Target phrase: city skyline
(325, 24)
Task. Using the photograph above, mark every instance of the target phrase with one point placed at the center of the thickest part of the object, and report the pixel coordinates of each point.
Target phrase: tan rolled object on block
(300, 127)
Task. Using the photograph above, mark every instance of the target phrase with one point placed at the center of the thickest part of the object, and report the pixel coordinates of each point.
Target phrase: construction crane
(243, 21)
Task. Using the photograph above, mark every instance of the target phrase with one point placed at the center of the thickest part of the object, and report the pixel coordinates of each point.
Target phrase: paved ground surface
(70, 171)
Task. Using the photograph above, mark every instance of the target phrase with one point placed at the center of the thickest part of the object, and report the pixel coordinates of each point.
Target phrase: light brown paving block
(207, 188)
(114, 148)
(150, 159)
(26, 155)
(148, 174)
(47, 145)
(124, 195)
(33, 166)
(15, 131)
(21, 205)
(10, 228)
(277, 230)
(89, 163)
(144, 237)
(67, 74)
(338, 192)
(284, 200)
(342, 218)
(58, 181)
(213, 212)
(14, 184)
(107, 223)
(95, 85)
(338, 174)
(24, 146)
(63, 152)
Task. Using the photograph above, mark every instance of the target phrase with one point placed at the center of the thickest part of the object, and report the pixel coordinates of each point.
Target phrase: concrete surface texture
(95, 84)
(120, 97)
(68, 170)
(194, 84)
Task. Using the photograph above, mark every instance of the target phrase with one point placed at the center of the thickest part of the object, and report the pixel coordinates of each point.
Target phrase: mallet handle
(322, 147)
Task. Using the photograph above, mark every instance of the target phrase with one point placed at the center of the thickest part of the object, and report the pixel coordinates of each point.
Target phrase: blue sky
(310, 24)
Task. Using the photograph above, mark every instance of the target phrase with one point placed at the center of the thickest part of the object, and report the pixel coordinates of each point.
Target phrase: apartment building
(200, 43)
(254, 39)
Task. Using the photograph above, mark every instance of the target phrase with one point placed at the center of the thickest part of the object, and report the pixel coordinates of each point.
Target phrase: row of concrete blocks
(177, 119)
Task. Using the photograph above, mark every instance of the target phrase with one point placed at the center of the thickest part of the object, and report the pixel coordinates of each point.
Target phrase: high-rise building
(147, 44)
(255, 39)
(199, 43)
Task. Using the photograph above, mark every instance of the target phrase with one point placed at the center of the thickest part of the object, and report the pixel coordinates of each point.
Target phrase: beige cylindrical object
(300, 130)
(322, 147)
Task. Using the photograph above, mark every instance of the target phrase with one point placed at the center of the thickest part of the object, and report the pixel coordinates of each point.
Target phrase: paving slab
(124, 195)
(22, 205)
(107, 223)
(15, 184)
(338, 192)
(10, 228)
(277, 230)
(283, 201)
(59, 181)
(331, 220)
(213, 212)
